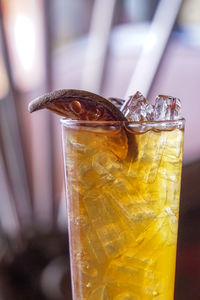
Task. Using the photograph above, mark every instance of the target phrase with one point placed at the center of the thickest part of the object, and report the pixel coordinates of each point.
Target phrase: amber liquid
(122, 211)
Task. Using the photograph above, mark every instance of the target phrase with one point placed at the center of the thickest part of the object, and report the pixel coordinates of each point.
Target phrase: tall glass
(123, 187)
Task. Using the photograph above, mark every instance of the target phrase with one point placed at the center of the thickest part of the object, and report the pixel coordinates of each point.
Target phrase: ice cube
(112, 239)
(126, 296)
(131, 278)
(149, 112)
(95, 245)
(108, 227)
(150, 151)
(167, 108)
(134, 103)
(99, 293)
(106, 164)
(137, 108)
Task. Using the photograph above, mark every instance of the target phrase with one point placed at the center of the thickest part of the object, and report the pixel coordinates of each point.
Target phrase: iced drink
(123, 165)
(123, 186)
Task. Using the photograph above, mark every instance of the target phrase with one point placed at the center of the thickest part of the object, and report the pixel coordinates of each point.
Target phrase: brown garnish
(78, 105)
(82, 105)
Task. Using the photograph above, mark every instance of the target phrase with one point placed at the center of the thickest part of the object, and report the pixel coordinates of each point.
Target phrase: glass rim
(178, 122)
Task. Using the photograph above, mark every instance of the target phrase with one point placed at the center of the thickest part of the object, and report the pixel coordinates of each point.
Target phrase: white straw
(100, 27)
(153, 47)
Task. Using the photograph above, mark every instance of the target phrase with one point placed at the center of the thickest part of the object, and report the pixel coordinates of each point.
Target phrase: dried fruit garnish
(78, 105)
(83, 105)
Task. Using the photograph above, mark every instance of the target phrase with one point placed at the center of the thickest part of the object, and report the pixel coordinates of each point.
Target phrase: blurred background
(111, 47)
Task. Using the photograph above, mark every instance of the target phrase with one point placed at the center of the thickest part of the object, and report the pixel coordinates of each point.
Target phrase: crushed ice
(137, 108)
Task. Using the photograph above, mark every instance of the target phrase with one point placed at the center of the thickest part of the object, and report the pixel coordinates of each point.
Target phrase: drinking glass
(122, 189)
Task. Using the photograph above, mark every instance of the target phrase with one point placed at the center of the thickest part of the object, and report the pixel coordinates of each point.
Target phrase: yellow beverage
(123, 187)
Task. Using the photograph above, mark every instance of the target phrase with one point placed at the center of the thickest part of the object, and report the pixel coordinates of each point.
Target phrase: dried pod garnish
(82, 105)
(78, 105)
